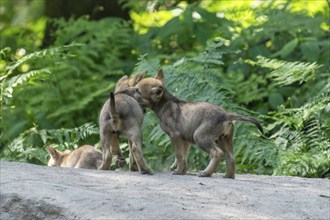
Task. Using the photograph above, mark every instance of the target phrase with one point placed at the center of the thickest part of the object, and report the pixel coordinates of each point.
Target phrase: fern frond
(81, 103)
(31, 76)
(287, 73)
(30, 145)
(38, 55)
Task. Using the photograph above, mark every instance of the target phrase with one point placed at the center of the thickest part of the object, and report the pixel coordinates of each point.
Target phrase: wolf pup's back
(85, 156)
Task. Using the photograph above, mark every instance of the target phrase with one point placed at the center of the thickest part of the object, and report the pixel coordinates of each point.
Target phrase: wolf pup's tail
(115, 120)
(112, 104)
(233, 117)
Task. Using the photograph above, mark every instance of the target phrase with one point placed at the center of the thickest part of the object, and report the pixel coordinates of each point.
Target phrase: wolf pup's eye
(159, 91)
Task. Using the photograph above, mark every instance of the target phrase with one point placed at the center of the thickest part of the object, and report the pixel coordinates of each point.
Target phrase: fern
(37, 55)
(287, 73)
(12, 79)
(29, 77)
(66, 83)
(300, 133)
(30, 145)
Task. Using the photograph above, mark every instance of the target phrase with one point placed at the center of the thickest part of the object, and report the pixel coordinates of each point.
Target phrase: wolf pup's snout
(137, 93)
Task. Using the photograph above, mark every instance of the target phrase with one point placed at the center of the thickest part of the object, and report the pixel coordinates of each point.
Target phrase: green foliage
(294, 71)
(73, 79)
(12, 79)
(186, 33)
(26, 147)
(22, 24)
(19, 81)
(66, 85)
(301, 133)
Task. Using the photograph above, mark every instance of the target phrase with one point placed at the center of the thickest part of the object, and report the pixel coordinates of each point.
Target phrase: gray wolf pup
(122, 115)
(189, 123)
(85, 156)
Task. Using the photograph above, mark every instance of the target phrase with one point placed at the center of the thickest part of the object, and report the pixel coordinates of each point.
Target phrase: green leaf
(188, 19)
(203, 32)
(310, 50)
(275, 99)
(207, 16)
(169, 28)
(287, 49)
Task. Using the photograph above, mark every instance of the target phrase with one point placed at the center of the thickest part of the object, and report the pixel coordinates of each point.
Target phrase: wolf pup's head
(56, 156)
(125, 82)
(149, 91)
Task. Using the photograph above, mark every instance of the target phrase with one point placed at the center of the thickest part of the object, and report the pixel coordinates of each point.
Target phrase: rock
(40, 192)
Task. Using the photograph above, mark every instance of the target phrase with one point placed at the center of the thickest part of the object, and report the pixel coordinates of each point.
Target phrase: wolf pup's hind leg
(226, 145)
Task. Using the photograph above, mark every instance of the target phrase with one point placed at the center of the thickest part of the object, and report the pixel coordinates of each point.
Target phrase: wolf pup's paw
(173, 167)
(177, 172)
(133, 168)
(203, 174)
(147, 171)
(229, 176)
(120, 162)
(102, 167)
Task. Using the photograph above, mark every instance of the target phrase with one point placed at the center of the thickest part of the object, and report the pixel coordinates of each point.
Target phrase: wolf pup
(122, 115)
(189, 123)
(85, 156)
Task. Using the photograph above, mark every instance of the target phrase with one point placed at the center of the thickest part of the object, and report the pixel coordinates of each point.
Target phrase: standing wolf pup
(189, 123)
(122, 115)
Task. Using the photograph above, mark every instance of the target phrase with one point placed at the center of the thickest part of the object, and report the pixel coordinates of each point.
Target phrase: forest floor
(40, 192)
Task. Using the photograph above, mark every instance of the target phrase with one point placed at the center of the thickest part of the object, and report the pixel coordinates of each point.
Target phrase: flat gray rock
(39, 192)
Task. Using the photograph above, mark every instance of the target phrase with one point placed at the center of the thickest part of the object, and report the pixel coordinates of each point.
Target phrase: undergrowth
(250, 61)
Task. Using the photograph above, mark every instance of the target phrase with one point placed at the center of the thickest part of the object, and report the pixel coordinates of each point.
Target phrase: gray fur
(189, 123)
(122, 115)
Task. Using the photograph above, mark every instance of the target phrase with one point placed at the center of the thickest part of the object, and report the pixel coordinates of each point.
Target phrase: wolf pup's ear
(53, 152)
(138, 77)
(122, 79)
(160, 75)
(121, 82)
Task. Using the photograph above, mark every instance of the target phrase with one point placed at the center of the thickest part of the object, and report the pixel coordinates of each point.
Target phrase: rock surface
(39, 192)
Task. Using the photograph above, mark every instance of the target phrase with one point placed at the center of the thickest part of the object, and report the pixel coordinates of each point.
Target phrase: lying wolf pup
(85, 156)
(191, 123)
(122, 115)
